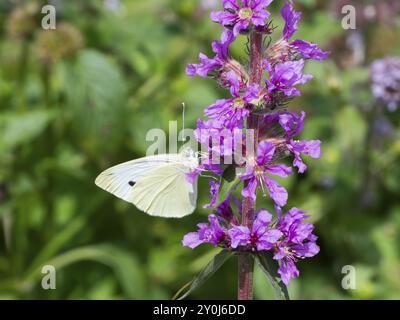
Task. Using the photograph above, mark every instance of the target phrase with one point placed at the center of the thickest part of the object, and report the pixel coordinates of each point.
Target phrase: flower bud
(22, 22)
(52, 45)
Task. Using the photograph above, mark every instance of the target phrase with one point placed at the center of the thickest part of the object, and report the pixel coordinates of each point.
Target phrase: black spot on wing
(131, 183)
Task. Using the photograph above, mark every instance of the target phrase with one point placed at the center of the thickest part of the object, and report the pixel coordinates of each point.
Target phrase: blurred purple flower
(385, 81)
(209, 4)
(112, 5)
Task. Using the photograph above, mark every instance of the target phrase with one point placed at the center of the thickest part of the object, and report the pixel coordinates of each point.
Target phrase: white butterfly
(156, 184)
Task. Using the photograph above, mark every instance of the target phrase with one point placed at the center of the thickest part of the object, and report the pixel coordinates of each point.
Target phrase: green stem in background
(21, 77)
(51, 143)
(246, 261)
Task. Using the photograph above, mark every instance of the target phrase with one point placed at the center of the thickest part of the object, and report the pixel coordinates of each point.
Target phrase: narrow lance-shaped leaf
(217, 261)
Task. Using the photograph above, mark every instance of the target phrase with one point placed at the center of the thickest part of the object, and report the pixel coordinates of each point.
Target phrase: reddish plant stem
(246, 261)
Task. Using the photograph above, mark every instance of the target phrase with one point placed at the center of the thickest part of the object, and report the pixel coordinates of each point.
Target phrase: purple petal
(287, 270)
(230, 4)
(240, 236)
(192, 240)
(265, 152)
(206, 65)
(291, 18)
(298, 162)
(259, 18)
(260, 4)
(261, 222)
(227, 37)
(308, 147)
(312, 148)
(276, 192)
(224, 208)
(291, 92)
(239, 26)
(300, 231)
(250, 190)
(308, 250)
(292, 123)
(268, 239)
(225, 18)
(279, 170)
(252, 93)
(214, 189)
(219, 107)
(191, 70)
(234, 82)
(309, 50)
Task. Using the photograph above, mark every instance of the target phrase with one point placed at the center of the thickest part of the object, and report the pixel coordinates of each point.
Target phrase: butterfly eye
(131, 183)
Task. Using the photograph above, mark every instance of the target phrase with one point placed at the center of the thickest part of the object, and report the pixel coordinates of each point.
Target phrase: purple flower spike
(261, 237)
(239, 16)
(287, 236)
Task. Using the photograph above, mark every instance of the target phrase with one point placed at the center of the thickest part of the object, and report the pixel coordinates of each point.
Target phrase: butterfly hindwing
(165, 192)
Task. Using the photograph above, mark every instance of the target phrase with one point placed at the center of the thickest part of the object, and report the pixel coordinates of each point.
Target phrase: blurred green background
(79, 99)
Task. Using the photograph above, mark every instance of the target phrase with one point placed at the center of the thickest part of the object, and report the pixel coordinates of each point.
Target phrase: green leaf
(124, 264)
(96, 96)
(228, 183)
(216, 263)
(16, 129)
(270, 268)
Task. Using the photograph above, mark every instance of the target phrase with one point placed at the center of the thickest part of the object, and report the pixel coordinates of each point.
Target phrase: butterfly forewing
(120, 179)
